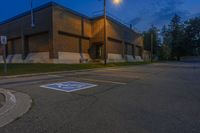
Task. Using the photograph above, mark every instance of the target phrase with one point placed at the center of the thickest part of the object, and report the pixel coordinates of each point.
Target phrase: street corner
(14, 105)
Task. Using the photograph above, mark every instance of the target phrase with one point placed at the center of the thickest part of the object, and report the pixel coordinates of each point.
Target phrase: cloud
(160, 12)
(167, 10)
(195, 15)
(136, 21)
(165, 15)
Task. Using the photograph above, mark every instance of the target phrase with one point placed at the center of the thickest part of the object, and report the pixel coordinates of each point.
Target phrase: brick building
(61, 35)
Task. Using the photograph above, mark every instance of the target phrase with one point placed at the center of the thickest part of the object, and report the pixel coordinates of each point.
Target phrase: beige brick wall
(39, 43)
(115, 47)
(97, 31)
(67, 44)
(15, 46)
(80, 30)
(129, 49)
(15, 28)
(66, 21)
(1, 50)
(85, 45)
(76, 29)
(115, 31)
(87, 28)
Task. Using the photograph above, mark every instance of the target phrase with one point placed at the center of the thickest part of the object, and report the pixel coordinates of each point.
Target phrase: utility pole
(151, 47)
(105, 34)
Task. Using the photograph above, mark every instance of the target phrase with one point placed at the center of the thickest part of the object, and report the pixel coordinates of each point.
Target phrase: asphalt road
(156, 98)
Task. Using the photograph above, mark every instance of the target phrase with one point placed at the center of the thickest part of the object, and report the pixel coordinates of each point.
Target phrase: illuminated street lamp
(116, 2)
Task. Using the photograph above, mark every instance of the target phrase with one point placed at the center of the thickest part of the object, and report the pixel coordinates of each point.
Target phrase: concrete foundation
(138, 58)
(17, 58)
(129, 58)
(72, 58)
(40, 57)
(115, 58)
(1, 59)
(65, 58)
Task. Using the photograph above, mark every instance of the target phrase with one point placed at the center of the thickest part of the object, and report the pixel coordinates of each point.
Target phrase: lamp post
(151, 47)
(105, 34)
(116, 2)
(32, 15)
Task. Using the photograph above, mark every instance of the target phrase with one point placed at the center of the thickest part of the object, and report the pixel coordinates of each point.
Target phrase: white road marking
(122, 76)
(57, 76)
(103, 81)
(110, 69)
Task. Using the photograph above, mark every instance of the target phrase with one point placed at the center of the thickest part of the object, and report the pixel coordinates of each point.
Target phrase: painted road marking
(56, 76)
(122, 76)
(102, 81)
(69, 86)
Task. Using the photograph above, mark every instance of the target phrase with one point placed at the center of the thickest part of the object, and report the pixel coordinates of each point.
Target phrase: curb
(16, 105)
(2, 99)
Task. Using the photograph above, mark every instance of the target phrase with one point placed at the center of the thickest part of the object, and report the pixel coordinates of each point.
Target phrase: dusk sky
(141, 13)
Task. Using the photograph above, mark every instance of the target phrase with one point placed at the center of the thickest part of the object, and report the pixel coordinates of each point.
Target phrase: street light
(116, 2)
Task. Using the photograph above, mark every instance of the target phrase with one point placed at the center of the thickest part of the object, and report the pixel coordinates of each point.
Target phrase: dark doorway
(99, 51)
(96, 51)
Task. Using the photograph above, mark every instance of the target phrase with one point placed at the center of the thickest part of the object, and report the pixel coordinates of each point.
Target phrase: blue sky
(141, 13)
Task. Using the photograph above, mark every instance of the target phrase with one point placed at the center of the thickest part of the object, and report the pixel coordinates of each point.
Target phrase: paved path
(15, 105)
(2, 100)
(157, 98)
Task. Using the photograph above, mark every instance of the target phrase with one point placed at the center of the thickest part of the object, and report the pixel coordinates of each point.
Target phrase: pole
(4, 58)
(32, 17)
(151, 47)
(105, 35)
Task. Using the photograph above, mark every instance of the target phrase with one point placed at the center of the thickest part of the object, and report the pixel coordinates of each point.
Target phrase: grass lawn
(17, 69)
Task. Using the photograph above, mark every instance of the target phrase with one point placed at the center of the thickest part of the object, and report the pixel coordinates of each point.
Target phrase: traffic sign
(3, 40)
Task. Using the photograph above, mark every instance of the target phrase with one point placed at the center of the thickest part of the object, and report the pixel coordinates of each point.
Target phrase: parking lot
(154, 98)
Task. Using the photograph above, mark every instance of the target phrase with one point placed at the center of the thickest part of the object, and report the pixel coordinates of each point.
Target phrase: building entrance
(96, 51)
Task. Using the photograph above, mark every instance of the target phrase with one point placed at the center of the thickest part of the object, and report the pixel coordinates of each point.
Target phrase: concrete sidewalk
(2, 99)
(15, 105)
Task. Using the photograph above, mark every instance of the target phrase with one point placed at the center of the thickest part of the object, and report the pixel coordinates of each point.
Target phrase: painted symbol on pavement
(69, 86)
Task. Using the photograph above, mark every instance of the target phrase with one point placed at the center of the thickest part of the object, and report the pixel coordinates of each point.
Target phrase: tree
(151, 39)
(165, 35)
(192, 35)
(176, 37)
(164, 52)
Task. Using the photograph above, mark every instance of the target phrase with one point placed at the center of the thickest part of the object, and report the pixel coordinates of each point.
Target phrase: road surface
(156, 98)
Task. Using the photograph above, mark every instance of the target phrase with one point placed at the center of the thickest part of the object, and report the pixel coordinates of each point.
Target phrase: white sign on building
(3, 40)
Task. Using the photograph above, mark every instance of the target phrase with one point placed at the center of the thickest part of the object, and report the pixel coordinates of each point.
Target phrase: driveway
(156, 98)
